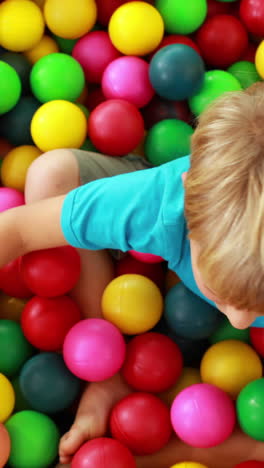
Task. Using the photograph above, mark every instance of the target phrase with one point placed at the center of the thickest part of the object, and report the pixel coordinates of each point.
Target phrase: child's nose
(239, 318)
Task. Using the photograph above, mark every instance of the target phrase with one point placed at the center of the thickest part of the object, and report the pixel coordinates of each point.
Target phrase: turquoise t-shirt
(142, 211)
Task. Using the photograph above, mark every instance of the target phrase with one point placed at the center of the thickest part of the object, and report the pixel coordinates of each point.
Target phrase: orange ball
(5, 445)
(46, 46)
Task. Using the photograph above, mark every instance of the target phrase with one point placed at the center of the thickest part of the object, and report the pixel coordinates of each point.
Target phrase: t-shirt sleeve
(122, 212)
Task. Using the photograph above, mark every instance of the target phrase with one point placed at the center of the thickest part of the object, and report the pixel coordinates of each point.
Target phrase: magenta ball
(128, 78)
(9, 198)
(94, 52)
(94, 350)
(145, 257)
(203, 415)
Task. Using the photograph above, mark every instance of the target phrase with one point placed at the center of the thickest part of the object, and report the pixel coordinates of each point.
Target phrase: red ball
(250, 464)
(222, 40)
(141, 421)
(103, 453)
(116, 127)
(46, 322)
(160, 109)
(11, 281)
(214, 7)
(153, 363)
(130, 265)
(176, 39)
(252, 14)
(51, 272)
(257, 339)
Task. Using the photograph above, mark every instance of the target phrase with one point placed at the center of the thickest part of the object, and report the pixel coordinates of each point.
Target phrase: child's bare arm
(30, 227)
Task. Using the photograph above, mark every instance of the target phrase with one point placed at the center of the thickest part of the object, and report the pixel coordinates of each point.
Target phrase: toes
(71, 442)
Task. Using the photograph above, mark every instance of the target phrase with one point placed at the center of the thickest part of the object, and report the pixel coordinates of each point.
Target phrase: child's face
(238, 318)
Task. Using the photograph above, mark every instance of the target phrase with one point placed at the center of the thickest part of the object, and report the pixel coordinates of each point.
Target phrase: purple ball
(94, 350)
(9, 198)
(128, 78)
(203, 415)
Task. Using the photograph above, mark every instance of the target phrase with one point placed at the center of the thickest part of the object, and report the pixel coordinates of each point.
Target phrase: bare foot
(92, 416)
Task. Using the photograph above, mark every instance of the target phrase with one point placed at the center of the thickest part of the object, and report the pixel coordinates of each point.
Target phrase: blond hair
(224, 202)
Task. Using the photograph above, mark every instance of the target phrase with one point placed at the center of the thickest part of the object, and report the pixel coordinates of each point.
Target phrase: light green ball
(10, 87)
(245, 72)
(182, 16)
(167, 140)
(34, 440)
(216, 83)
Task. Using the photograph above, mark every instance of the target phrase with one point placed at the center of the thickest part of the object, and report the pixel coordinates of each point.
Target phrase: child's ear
(183, 176)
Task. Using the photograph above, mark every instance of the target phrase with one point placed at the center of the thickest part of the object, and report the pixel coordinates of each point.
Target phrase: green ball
(15, 350)
(245, 72)
(216, 83)
(167, 140)
(65, 45)
(226, 331)
(34, 440)
(250, 409)
(10, 87)
(57, 76)
(182, 16)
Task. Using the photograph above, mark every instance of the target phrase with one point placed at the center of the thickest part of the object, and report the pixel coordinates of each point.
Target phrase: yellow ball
(15, 165)
(21, 25)
(133, 303)
(188, 465)
(230, 365)
(11, 307)
(46, 46)
(7, 398)
(136, 28)
(259, 59)
(70, 18)
(58, 124)
(188, 377)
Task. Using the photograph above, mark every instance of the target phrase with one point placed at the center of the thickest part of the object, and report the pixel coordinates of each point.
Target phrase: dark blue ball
(189, 316)
(177, 72)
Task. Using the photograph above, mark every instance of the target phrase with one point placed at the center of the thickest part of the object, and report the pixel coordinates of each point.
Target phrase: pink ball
(203, 415)
(94, 52)
(128, 78)
(145, 257)
(94, 350)
(9, 198)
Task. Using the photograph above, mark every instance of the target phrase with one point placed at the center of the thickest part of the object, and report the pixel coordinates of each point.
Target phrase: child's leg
(56, 173)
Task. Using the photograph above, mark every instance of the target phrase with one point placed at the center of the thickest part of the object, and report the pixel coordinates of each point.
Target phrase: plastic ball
(65, 45)
(252, 14)
(58, 124)
(188, 377)
(130, 19)
(188, 465)
(153, 363)
(133, 303)
(47, 384)
(35, 445)
(146, 258)
(223, 365)
(257, 340)
(128, 78)
(182, 17)
(94, 350)
(5, 445)
(116, 127)
(14, 348)
(46, 321)
(21, 65)
(245, 72)
(70, 20)
(94, 52)
(46, 46)
(130, 265)
(177, 39)
(10, 198)
(214, 7)
(57, 76)
(260, 59)
(168, 140)
(15, 124)
(98, 452)
(51, 272)
(177, 72)
(21, 25)
(15, 166)
(161, 109)
(189, 316)
(215, 84)
(250, 409)
(198, 408)
(11, 281)
(11, 307)
(141, 421)
(7, 400)
(250, 464)
(10, 87)
(225, 331)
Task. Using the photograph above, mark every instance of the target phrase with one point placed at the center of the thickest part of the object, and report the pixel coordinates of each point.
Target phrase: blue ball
(189, 316)
(47, 384)
(177, 72)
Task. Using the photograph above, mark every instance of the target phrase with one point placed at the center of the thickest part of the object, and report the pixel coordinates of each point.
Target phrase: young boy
(219, 254)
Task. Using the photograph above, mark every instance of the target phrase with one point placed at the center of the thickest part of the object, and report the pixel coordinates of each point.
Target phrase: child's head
(225, 203)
